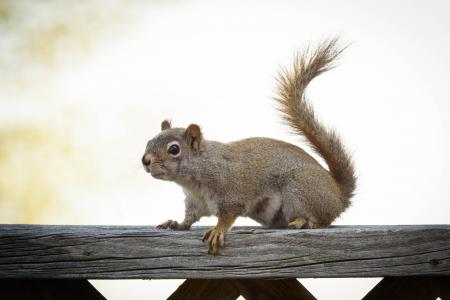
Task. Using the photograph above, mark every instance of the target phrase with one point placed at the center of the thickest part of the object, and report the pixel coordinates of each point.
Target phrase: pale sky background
(106, 85)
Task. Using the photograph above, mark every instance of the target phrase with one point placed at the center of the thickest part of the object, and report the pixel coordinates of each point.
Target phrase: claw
(206, 235)
(222, 240)
(165, 225)
(173, 225)
(215, 238)
(298, 223)
(301, 223)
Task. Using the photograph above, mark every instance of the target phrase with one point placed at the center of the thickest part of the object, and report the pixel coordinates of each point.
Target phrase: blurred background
(85, 84)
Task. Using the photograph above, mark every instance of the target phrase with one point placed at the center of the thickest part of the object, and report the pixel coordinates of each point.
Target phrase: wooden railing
(255, 263)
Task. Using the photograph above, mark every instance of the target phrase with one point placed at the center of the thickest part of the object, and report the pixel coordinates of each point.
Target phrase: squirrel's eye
(174, 149)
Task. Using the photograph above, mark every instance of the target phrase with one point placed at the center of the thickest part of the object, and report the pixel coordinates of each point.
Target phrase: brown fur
(165, 125)
(261, 205)
(299, 114)
(273, 182)
(194, 136)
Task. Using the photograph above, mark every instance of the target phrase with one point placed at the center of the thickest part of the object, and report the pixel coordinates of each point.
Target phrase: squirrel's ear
(194, 136)
(165, 125)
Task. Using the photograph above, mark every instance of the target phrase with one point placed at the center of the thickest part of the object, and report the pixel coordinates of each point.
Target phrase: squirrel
(273, 182)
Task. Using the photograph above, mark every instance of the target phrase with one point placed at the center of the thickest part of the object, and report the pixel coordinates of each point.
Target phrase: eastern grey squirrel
(273, 182)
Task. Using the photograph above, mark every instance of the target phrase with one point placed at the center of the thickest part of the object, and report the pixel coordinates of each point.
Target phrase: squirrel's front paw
(172, 225)
(215, 238)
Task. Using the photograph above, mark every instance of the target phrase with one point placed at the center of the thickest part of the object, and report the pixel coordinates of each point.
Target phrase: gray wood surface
(96, 252)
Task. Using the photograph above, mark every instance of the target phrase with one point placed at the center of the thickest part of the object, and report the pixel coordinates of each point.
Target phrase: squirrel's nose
(145, 161)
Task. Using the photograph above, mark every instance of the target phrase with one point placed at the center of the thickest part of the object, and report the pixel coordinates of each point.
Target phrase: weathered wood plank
(96, 252)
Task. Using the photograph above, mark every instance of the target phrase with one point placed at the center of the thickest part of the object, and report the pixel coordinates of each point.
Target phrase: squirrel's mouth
(157, 175)
(154, 174)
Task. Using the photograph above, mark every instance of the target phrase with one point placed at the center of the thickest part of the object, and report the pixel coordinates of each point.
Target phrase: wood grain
(108, 252)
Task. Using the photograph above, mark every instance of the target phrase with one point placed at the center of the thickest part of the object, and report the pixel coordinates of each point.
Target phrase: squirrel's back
(274, 181)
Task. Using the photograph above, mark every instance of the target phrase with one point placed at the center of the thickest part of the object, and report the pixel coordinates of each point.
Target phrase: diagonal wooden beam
(48, 289)
(205, 289)
(411, 288)
(250, 289)
(275, 289)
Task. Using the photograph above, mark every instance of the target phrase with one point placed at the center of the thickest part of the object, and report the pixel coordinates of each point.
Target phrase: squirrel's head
(165, 153)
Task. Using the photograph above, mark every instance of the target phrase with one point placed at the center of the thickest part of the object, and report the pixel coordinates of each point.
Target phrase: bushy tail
(299, 114)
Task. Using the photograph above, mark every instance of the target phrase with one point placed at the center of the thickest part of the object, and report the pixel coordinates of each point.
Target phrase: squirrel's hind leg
(301, 223)
(174, 225)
